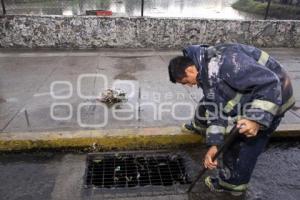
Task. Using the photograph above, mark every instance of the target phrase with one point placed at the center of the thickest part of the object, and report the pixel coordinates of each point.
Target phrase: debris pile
(112, 96)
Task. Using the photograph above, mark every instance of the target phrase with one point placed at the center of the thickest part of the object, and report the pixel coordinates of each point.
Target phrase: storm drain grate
(125, 170)
(111, 171)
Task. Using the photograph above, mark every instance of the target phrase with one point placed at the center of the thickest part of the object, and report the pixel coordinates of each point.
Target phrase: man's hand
(208, 163)
(247, 127)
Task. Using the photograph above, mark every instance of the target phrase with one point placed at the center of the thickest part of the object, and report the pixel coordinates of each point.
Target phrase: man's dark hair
(177, 67)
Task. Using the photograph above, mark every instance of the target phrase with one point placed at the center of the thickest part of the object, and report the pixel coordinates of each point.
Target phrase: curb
(115, 139)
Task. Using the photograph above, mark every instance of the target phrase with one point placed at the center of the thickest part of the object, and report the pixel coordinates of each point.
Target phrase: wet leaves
(113, 96)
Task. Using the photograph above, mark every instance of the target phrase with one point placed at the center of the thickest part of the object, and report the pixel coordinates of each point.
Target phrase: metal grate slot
(133, 170)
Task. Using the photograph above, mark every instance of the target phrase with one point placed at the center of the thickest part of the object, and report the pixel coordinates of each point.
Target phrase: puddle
(128, 67)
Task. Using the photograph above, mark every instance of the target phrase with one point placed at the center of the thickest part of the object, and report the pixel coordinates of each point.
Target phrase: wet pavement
(35, 82)
(57, 175)
(57, 90)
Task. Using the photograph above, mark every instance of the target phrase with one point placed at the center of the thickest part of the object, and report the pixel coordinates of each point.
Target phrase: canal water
(54, 175)
(209, 9)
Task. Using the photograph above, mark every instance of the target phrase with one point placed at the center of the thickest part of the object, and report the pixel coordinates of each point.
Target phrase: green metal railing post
(267, 9)
(3, 7)
(142, 8)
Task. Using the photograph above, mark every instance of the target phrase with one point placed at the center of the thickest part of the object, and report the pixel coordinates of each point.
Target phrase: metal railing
(142, 8)
(3, 7)
(80, 7)
(72, 7)
(267, 9)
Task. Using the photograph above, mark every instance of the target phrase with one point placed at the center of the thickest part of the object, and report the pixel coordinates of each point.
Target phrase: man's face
(190, 78)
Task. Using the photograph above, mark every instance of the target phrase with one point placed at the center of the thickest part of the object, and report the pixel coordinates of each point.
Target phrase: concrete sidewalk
(52, 91)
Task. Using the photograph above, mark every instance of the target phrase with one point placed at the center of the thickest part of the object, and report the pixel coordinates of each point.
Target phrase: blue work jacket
(239, 81)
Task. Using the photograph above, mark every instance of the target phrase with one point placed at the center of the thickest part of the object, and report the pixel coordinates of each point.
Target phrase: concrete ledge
(114, 139)
(81, 32)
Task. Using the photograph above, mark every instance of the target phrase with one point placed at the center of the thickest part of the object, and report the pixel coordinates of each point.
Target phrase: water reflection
(218, 9)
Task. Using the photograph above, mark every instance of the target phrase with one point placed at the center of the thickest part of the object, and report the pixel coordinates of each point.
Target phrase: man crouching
(241, 82)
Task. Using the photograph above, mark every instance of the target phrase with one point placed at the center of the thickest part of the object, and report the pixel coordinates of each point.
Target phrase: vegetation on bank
(276, 10)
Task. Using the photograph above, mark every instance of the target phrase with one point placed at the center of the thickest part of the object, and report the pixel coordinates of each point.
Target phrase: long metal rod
(3, 7)
(232, 136)
(267, 9)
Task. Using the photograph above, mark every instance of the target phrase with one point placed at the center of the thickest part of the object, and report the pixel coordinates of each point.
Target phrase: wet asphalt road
(53, 175)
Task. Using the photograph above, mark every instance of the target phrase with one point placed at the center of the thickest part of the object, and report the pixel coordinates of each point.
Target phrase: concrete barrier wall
(97, 32)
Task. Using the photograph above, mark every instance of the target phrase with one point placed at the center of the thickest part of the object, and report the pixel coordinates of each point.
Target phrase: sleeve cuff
(215, 135)
(214, 139)
(259, 116)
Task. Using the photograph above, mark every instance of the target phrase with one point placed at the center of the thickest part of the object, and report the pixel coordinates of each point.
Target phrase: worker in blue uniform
(242, 83)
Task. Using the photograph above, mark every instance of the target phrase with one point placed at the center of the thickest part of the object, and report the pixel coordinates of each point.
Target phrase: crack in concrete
(29, 99)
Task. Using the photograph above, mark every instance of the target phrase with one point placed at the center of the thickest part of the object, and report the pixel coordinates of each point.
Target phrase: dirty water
(58, 175)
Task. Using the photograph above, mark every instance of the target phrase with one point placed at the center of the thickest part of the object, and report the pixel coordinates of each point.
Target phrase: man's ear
(190, 69)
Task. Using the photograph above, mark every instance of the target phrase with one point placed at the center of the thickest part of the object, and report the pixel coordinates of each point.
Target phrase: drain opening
(125, 170)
